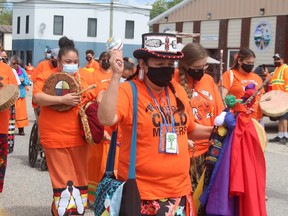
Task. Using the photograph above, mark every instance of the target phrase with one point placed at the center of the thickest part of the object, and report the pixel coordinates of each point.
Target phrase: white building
(40, 23)
(6, 38)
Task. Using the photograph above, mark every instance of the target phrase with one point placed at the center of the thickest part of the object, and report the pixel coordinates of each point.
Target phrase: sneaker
(283, 140)
(275, 139)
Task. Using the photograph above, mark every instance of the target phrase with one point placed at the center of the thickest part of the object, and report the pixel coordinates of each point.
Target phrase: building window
(22, 57)
(18, 25)
(27, 24)
(129, 29)
(92, 27)
(29, 57)
(58, 25)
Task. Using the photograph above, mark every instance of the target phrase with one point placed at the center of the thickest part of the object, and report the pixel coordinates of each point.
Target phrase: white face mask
(122, 80)
(70, 68)
(48, 55)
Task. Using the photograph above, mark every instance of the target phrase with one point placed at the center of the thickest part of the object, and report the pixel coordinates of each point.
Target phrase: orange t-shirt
(8, 78)
(101, 76)
(237, 88)
(93, 64)
(58, 129)
(158, 175)
(41, 67)
(279, 79)
(206, 104)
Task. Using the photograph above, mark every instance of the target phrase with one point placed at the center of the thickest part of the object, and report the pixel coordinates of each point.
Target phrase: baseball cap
(48, 49)
(277, 55)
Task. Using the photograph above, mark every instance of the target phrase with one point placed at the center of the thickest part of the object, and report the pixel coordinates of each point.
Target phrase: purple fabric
(230, 123)
(219, 202)
(19, 71)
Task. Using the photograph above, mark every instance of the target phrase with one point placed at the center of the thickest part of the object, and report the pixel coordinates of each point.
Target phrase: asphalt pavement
(27, 190)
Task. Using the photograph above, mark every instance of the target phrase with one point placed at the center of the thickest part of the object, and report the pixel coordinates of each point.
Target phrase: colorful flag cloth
(248, 169)
(219, 202)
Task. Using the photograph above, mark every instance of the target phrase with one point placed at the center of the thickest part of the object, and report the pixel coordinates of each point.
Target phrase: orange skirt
(68, 169)
(21, 115)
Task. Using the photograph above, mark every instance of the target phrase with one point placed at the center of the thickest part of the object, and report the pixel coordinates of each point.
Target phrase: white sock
(286, 134)
(280, 134)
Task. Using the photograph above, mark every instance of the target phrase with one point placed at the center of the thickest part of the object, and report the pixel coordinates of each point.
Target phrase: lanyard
(158, 107)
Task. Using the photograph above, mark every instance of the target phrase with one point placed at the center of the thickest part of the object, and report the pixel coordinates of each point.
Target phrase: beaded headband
(159, 45)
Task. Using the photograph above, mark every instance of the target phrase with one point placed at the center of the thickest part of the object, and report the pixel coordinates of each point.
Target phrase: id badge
(171, 143)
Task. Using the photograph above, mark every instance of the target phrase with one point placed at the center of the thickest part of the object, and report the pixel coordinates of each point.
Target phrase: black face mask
(88, 58)
(105, 65)
(247, 67)
(277, 64)
(160, 76)
(196, 74)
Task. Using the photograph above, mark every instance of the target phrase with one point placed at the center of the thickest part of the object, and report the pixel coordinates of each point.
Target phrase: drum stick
(259, 89)
(84, 90)
(267, 99)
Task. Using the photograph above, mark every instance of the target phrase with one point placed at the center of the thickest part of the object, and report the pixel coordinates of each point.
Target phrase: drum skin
(261, 133)
(59, 84)
(8, 96)
(274, 103)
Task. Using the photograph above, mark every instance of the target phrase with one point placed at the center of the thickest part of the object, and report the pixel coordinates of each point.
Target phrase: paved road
(27, 191)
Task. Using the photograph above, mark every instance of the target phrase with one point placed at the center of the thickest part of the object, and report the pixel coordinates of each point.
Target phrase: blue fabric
(25, 82)
(132, 168)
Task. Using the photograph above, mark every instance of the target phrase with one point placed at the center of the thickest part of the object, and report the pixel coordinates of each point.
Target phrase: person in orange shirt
(11, 132)
(65, 149)
(205, 100)
(279, 81)
(104, 73)
(98, 153)
(92, 64)
(6, 77)
(162, 165)
(46, 65)
(238, 77)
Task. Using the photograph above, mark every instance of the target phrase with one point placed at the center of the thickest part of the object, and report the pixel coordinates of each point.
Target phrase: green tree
(5, 13)
(160, 6)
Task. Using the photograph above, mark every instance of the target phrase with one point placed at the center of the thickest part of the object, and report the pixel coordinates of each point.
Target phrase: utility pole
(111, 18)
